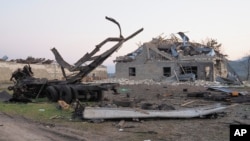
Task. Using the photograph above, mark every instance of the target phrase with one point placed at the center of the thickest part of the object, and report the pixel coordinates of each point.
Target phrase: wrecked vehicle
(27, 86)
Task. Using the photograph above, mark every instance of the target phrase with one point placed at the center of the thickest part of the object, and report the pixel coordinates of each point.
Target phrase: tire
(52, 94)
(99, 95)
(74, 93)
(65, 94)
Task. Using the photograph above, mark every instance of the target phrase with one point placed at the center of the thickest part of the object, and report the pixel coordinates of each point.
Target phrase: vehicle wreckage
(27, 86)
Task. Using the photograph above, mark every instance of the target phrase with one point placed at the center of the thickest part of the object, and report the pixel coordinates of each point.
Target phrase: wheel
(65, 94)
(74, 93)
(52, 94)
(99, 95)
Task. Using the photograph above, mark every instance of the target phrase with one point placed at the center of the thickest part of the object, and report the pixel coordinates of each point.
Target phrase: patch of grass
(36, 111)
(40, 100)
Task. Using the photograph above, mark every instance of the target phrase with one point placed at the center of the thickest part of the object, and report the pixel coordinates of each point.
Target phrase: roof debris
(173, 47)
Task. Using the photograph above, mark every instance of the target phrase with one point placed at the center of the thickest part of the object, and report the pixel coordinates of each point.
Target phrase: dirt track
(21, 129)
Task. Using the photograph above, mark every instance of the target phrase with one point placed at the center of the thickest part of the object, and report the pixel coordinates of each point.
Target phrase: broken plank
(184, 104)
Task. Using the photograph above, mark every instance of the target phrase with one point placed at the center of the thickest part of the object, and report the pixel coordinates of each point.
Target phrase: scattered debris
(198, 94)
(121, 124)
(222, 94)
(125, 81)
(184, 104)
(225, 90)
(186, 77)
(78, 108)
(146, 132)
(55, 117)
(41, 110)
(240, 99)
(63, 105)
(229, 80)
(242, 122)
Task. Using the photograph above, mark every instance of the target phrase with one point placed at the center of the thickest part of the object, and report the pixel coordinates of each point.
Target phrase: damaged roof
(173, 47)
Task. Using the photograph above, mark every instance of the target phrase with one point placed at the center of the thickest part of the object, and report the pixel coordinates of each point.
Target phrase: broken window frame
(132, 71)
(190, 69)
(166, 71)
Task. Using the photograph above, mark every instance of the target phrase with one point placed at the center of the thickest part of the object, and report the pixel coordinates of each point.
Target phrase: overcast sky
(74, 27)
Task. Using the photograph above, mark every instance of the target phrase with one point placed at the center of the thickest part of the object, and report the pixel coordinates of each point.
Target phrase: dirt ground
(14, 128)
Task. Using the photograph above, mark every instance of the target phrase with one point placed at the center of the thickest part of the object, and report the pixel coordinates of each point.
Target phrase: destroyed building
(176, 58)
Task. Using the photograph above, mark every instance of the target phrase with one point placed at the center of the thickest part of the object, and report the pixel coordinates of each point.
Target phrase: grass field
(40, 111)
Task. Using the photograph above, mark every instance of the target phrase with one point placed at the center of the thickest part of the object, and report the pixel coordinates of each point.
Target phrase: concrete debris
(187, 77)
(222, 94)
(189, 102)
(174, 48)
(123, 102)
(63, 105)
(220, 89)
(124, 81)
(229, 80)
(226, 90)
(121, 124)
(131, 56)
(125, 113)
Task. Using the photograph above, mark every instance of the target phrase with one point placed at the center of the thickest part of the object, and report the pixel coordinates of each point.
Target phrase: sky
(74, 27)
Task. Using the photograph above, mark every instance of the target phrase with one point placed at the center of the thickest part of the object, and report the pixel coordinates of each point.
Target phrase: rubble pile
(124, 81)
(174, 47)
(222, 94)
